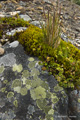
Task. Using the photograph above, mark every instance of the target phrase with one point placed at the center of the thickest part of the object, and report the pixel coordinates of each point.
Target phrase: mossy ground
(63, 62)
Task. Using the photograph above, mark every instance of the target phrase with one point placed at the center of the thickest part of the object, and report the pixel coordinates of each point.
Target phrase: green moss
(1, 69)
(16, 83)
(38, 93)
(78, 100)
(25, 74)
(23, 91)
(10, 95)
(15, 103)
(62, 62)
(1, 33)
(13, 22)
(17, 68)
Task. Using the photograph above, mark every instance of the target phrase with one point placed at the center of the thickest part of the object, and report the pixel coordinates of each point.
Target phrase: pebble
(14, 44)
(1, 51)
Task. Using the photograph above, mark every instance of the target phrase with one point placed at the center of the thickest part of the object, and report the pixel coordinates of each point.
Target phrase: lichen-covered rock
(31, 93)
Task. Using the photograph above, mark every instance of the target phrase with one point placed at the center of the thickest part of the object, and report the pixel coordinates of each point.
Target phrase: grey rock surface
(27, 92)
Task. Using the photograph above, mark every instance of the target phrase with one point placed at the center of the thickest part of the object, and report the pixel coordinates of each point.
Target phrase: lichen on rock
(38, 93)
(34, 72)
(15, 102)
(10, 95)
(1, 69)
(23, 91)
(17, 68)
(31, 64)
(25, 74)
(16, 83)
(58, 88)
(31, 59)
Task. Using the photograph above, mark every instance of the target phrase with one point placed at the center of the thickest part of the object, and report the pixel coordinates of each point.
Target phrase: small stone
(25, 17)
(1, 51)
(14, 44)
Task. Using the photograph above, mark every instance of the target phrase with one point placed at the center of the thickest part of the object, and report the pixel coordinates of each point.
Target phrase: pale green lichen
(23, 91)
(5, 81)
(24, 80)
(54, 99)
(38, 93)
(16, 83)
(10, 95)
(17, 89)
(31, 109)
(31, 59)
(34, 72)
(17, 68)
(25, 74)
(1, 69)
(51, 112)
(36, 83)
(58, 88)
(78, 100)
(31, 64)
(41, 103)
(28, 87)
(3, 89)
(15, 103)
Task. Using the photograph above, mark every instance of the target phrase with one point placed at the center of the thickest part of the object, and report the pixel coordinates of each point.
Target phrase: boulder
(26, 91)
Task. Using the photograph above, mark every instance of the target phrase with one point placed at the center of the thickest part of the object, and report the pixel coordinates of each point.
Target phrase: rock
(1, 51)
(74, 105)
(25, 17)
(19, 29)
(25, 87)
(37, 23)
(14, 44)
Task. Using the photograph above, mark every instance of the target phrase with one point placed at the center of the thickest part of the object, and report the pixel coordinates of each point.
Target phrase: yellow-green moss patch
(16, 83)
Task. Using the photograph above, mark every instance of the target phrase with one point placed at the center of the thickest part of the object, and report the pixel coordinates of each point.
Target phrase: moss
(16, 83)
(31, 59)
(25, 74)
(1, 69)
(1, 33)
(17, 68)
(23, 91)
(10, 95)
(15, 102)
(38, 93)
(13, 22)
(78, 100)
